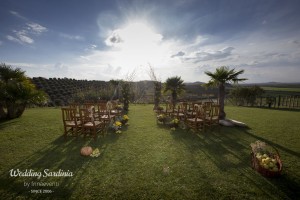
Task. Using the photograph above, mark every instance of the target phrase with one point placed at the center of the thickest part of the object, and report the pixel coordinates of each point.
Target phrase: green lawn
(148, 161)
(281, 89)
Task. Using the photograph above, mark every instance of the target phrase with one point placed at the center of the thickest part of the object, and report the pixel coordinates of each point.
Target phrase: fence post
(279, 101)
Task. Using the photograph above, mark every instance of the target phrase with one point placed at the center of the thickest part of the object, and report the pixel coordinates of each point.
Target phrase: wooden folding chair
(90, 125)
(192, 110)
(170, 109)
(103, 114)
(213, 117)
(111, 106)
(197, 122)
(181, 111)
(72, 125)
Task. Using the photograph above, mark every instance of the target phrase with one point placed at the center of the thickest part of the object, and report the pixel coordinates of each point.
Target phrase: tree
(157, 87)
(125, 94)
(126, 89)
(116, 85)
(219, 78)
(16, 92)
(246, 95)
(176, 86)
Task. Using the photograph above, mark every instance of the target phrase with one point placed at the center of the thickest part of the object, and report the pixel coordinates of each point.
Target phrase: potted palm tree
(17, 91)
(176, 86)
(219, 78)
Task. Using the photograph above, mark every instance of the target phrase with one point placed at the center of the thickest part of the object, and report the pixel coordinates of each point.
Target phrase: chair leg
(65, 133)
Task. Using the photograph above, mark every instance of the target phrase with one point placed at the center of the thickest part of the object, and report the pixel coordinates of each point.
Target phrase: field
(149, 161)
(281, 89)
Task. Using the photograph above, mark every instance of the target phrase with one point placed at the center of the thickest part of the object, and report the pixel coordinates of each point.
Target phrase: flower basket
(265, 159)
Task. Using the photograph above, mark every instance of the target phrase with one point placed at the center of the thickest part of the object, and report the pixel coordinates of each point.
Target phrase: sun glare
(138, 44)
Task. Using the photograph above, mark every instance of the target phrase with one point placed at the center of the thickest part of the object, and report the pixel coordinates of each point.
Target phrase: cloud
(136, 34)
(201, 69)
(20, 38)
(90, 47)
(36, 28)
(113, 38)
(211, 55)
(179, 54)
(72, 37)
(24, 38)
(17, 15)
(25, 35)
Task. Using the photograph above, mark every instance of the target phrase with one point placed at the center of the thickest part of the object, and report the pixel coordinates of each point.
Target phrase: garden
(148, 160)
(168, 149)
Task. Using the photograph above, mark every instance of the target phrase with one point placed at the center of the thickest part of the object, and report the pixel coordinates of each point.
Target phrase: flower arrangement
(117, 126)
(125, 119)
(174, 123)
(161, 118)
(96, 152)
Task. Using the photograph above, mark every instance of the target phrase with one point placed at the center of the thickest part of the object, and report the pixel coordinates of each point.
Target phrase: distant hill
(194, 83)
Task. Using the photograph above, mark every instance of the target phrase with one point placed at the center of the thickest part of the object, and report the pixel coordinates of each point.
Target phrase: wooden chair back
(68, 114)
(71, 123)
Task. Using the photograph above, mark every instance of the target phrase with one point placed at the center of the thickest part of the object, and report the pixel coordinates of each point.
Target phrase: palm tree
(175, 86)
(219, 78)
(16, 92)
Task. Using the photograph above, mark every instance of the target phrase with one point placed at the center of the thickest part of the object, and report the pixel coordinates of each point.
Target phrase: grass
(148, 161)
(281, 89)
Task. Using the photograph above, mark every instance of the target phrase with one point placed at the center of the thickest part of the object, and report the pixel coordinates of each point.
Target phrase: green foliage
(16, 92)
(176, 86)
(224, 75)
(115, 84)
(219, 78)
(157, 93)
(93, 94)
(125, 94)
(246, 95)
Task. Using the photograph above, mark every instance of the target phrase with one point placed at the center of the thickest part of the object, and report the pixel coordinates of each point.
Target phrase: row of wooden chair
(87, 120)
(196, 116)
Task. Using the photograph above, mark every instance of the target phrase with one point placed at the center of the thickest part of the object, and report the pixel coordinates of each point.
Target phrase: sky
(119, 39)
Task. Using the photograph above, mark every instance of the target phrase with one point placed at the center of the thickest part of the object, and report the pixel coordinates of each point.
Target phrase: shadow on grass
(60, 154)
(229, 150)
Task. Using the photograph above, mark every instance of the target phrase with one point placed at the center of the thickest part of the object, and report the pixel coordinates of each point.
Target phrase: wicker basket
(266, 172)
